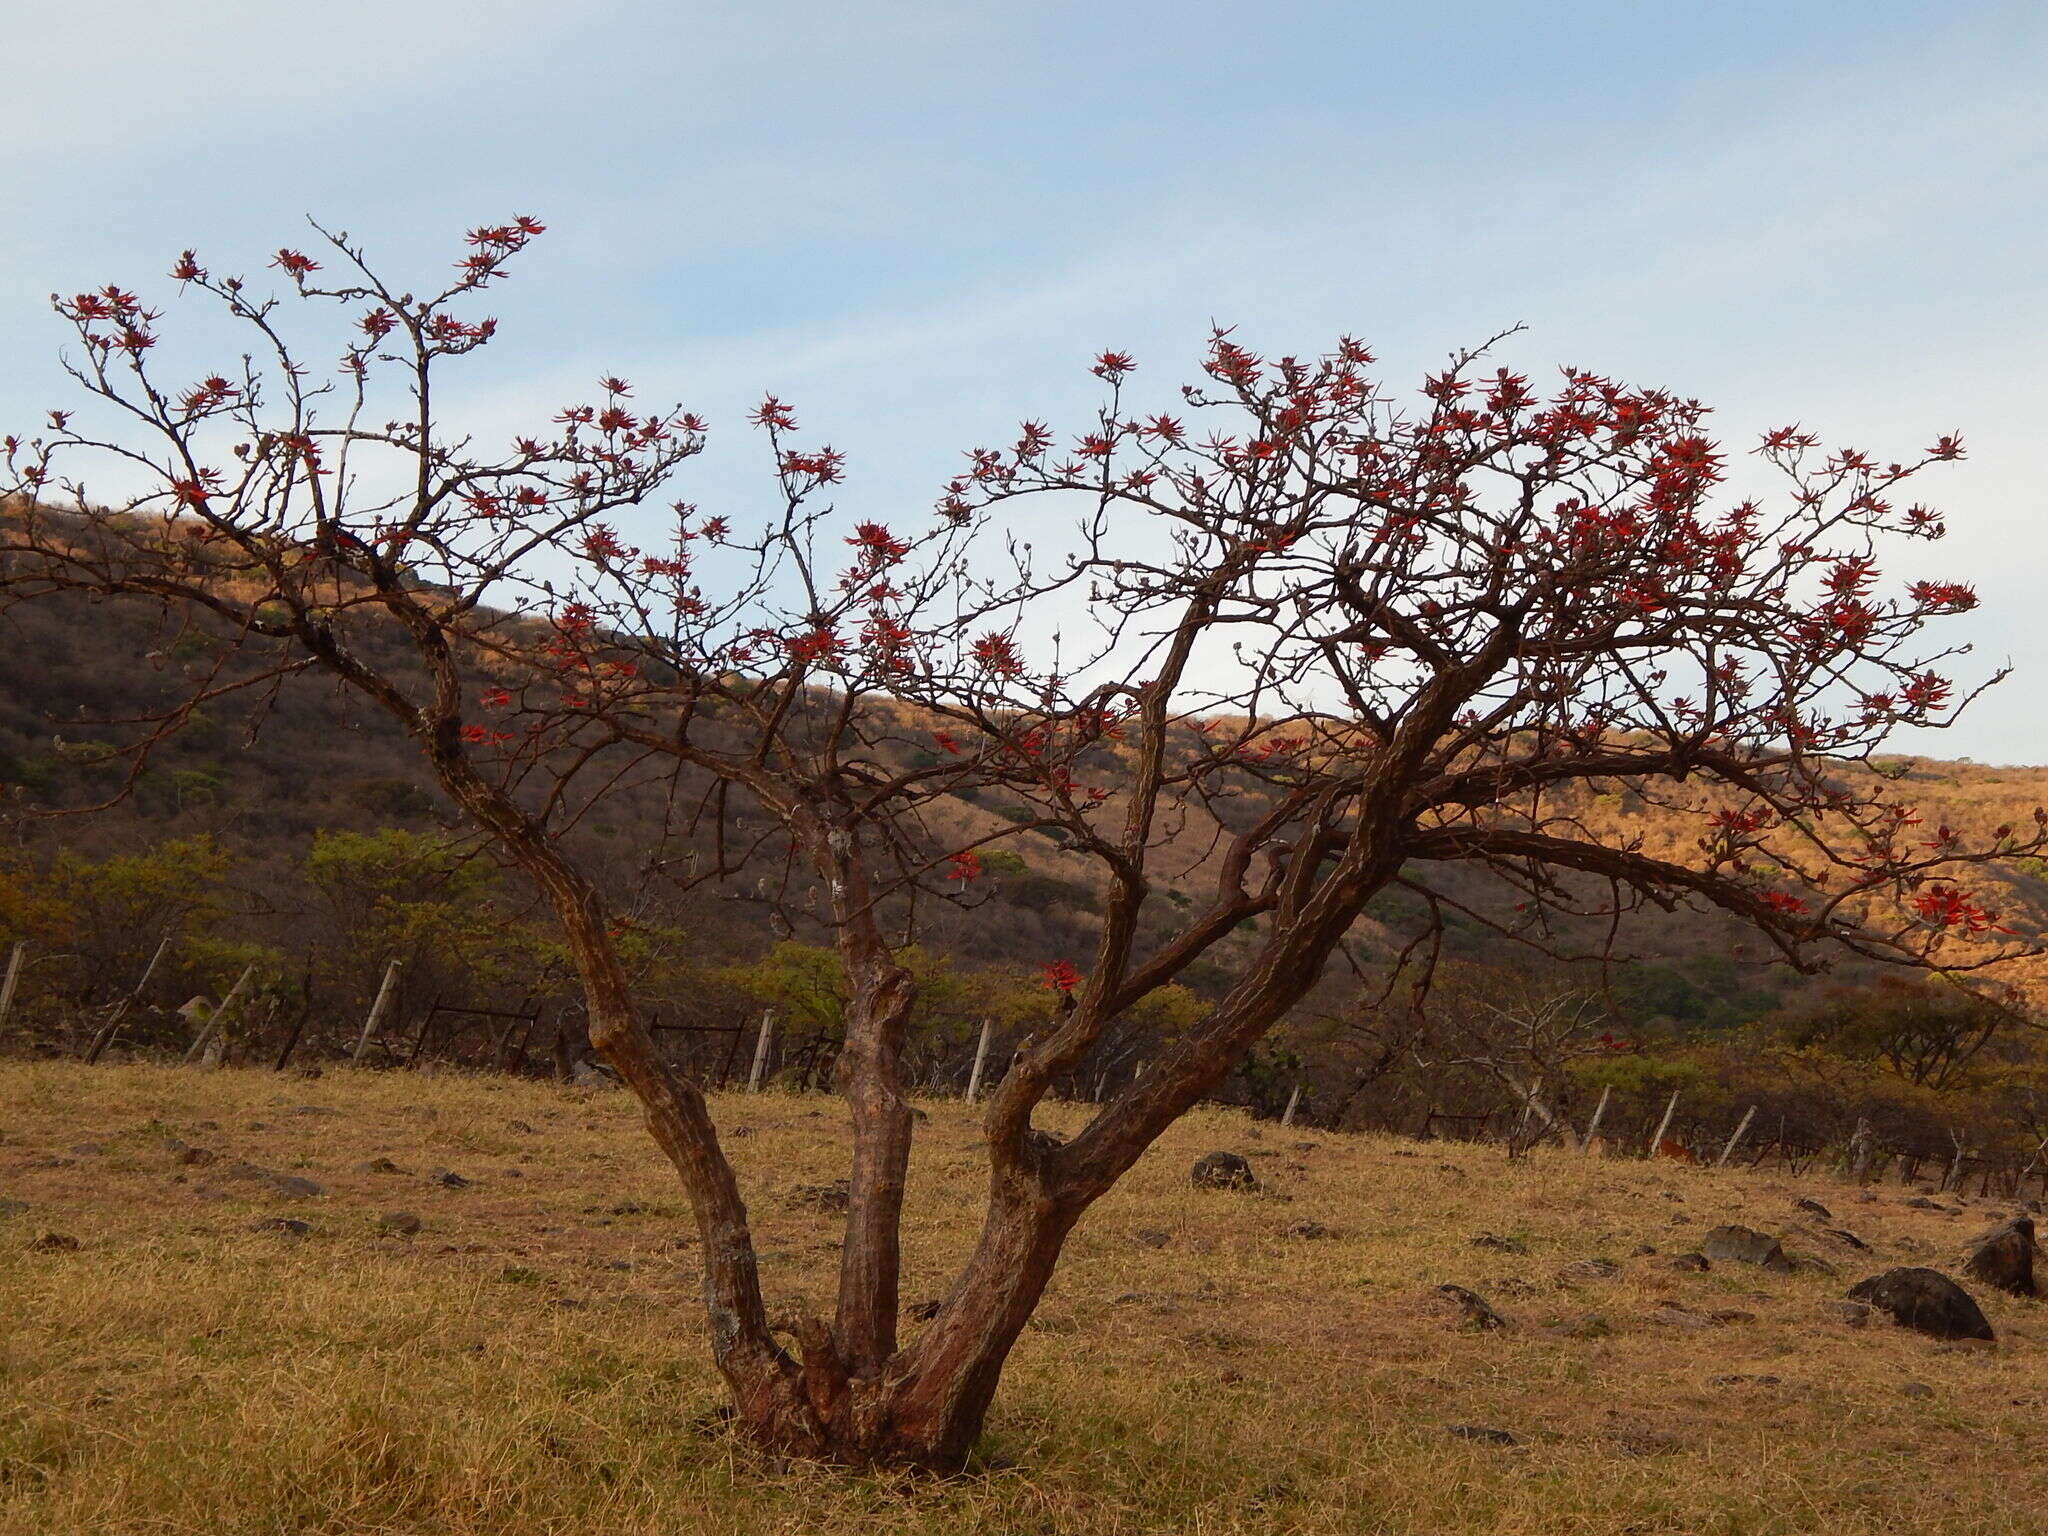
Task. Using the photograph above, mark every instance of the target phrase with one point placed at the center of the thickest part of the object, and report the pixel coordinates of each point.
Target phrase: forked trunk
(925, 1407)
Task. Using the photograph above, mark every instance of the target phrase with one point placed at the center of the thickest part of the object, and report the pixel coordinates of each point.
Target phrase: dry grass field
(530, 1360)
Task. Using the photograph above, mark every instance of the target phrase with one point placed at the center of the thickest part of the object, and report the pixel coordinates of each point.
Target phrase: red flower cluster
(1059, 976)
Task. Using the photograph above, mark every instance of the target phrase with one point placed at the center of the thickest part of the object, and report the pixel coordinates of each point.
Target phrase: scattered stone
(1742, 1381)
(1471, 1308)
(381, 1165)
(1926, 1301)
(1692, 1263)
(447, 1178)
(1223, 1170)
(54, 1242)
(1676, 1316)
(1500, 1244)
(294, 1186)
(1810, 1264)
(631, 1208)
(1847, 1238)
(1916, 1389)
(1482, 1433)
(836, 1196)
(1641, 1440)
(399, 1223)
(1588, 1269)
(1643, 1251)
(1816, 1208)
(89, 1149)
(1851, 1314)
(1591, 1326)
(289, 1226)
(196, 1157)
(313, 1109)
(924, 1311)
(593, 1074)
(1308, 1231)
(2004, 1257)
(1922, 1203)
(522, 1128)
(1746, 1246)
(1732, 1315)
(1151, 1237)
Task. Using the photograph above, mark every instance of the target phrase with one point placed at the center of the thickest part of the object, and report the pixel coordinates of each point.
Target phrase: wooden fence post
(980, 1061)
(1293, 1102)
(1663, 1125)
(378, 1009)
(762, 1042)
(217, 1022)
(14, 959)
(1599, 1112)
(1732, 1140)
(109, 1029)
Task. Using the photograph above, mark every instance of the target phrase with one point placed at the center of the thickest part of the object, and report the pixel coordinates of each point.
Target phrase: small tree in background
(1337, 647)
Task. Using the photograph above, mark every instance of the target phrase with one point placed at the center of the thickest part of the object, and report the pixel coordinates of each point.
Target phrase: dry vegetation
(529, 1361)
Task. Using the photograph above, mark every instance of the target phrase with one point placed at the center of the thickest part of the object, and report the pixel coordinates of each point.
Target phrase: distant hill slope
(264, 772)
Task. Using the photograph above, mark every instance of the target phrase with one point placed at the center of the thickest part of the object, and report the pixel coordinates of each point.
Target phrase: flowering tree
(1338, 645)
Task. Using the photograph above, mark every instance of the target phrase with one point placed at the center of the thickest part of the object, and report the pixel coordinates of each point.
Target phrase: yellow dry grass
(532, 1361)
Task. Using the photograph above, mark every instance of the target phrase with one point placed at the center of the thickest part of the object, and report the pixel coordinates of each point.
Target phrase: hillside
(263, 773)
(532, 1360)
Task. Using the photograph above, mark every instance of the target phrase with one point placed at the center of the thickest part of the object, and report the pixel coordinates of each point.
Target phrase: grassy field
(531, 1359)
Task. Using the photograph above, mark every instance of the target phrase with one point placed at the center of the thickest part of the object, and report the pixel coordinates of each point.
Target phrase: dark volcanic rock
(1926, 1301)
(1745, 1246)
(1694, 1262)
(1222, 1170)
(2004, 1257)
(836, 1196)
(1471, 1308)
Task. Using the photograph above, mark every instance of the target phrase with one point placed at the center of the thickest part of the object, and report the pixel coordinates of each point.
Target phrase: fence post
(1599, 1111)
(108, 1030)
(378, 1009)
(762, 1042)
(980, 1061)
(1732, 1140)
(1663, 1125)
(1293, 1102)
(217, 1023)
(14, 960)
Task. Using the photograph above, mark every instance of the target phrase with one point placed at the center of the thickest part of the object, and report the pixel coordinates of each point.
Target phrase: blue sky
(918, 221)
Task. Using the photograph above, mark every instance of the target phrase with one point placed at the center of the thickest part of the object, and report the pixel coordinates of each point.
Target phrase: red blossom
(1059, 976)
(965, 865)
(996, 653)
(296, 263)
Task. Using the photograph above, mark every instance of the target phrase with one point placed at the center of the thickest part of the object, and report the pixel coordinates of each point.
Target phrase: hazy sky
(918, 221)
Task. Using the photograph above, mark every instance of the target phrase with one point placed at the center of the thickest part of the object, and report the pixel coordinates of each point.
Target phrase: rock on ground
(2004, 1257)
(1926, 1301)
(1222, 1170)
(1744, 1245)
